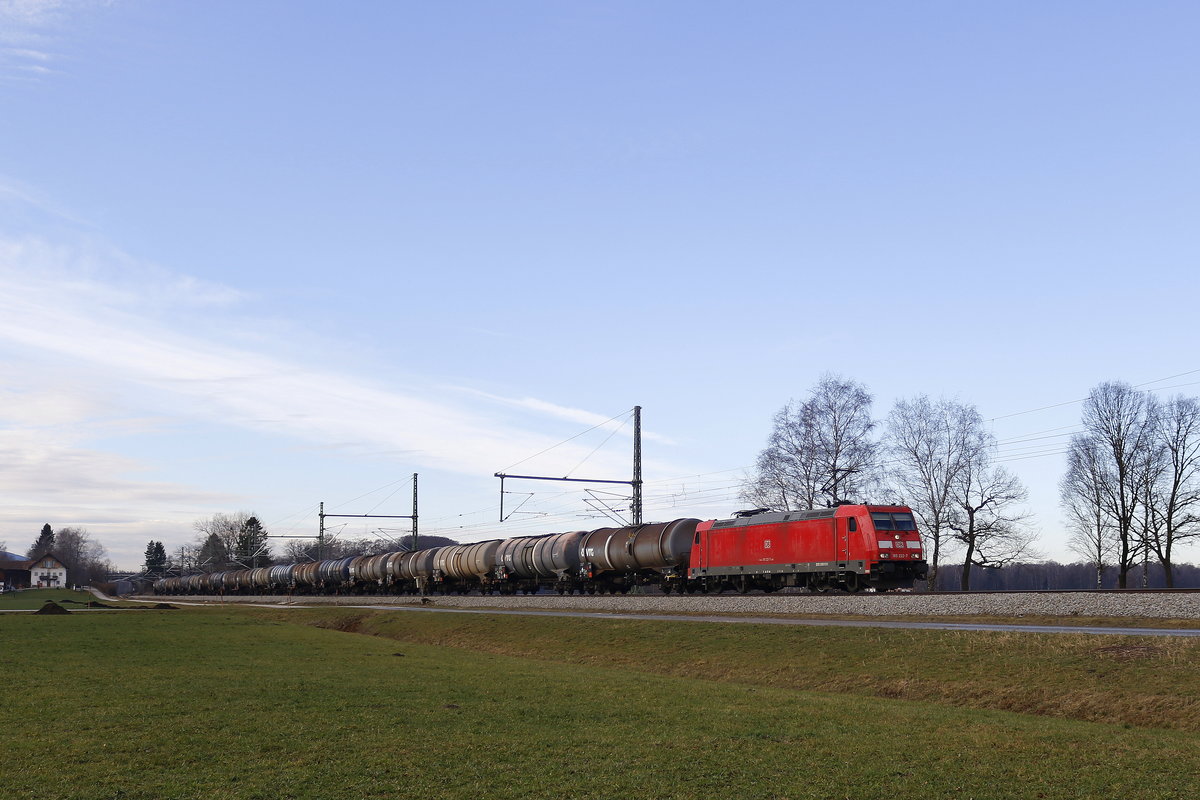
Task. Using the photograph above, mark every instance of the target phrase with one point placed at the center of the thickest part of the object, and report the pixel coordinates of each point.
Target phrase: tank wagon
(844, 548)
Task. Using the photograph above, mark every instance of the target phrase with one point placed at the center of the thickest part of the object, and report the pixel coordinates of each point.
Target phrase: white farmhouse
(47, 572)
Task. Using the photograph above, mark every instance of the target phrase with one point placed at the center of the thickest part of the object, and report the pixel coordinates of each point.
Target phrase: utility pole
(413, 517)
(414, 514)
(635, 506)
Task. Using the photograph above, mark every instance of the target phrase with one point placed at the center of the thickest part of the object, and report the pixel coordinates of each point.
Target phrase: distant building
(14, 571)
(43, 572)
(47, 572)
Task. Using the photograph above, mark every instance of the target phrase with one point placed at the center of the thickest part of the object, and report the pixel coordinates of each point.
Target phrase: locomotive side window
(853, 524)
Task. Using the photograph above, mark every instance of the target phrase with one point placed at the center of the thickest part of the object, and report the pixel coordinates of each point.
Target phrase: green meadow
(343, 703)
(32, 599)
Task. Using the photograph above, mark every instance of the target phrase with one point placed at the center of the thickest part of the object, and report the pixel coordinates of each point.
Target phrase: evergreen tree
(251, 548)
(156, 558)
(44, 543)
(213, 555)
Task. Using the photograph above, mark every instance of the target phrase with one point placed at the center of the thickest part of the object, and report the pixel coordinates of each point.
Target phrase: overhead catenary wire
(1082, 399)
(570, 439)
(597, 447)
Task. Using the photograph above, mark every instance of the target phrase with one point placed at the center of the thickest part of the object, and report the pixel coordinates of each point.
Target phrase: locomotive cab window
(893, 522)
(853, 525)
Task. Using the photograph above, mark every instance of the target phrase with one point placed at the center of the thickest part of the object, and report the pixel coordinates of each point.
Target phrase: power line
(1080, 400)
(564, 441)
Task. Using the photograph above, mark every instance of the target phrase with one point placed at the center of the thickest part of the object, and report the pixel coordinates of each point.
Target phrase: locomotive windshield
(893, 522)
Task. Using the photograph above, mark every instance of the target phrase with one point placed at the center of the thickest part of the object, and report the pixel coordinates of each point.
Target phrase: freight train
(844, 548)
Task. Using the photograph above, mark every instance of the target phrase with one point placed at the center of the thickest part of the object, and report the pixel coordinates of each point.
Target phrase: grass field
(36, 598)
(1118, 680)
(251, 703)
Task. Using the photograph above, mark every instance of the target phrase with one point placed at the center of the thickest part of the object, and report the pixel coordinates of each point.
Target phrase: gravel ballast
(1169, 605)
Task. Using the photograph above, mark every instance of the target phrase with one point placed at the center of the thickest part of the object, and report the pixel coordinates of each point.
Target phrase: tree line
(1052, 575)
(228, 541)
(1132, 486)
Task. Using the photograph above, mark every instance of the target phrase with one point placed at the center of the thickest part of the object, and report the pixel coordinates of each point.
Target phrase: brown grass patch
(346, 622)
(1130, 652)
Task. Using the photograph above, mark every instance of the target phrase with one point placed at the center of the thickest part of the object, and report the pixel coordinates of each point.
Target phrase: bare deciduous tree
(819, 450)
(1171, 499)
(786, 470)
(984, 522)
(1091, 530)
(84, 557)
(930, 444)
(1120, 431)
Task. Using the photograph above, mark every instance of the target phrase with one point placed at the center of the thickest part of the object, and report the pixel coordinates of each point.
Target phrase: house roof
(32, 563)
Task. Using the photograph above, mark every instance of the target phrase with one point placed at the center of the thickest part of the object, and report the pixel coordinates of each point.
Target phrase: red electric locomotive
(848, 547)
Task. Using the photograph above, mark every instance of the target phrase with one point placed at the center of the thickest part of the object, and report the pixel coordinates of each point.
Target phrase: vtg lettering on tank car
(844, 548)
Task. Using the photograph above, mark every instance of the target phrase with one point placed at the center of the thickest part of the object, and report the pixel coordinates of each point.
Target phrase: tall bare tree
(1081, 490)
(786, 472)
(930, 443)
(820, 450)
(84, 557)
(1120, 428)
(1171, 512)
(991, 532)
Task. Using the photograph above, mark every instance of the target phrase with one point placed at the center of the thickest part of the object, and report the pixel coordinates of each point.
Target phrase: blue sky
(257, 255)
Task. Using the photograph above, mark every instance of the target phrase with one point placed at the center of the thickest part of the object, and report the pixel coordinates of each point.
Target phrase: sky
(255, 256)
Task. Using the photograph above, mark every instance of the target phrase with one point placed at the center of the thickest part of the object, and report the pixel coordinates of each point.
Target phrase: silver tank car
(280, 576)
(659, 547)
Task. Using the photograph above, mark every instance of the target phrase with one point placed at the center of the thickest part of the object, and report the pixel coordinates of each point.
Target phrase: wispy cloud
(31, 34)
(569, 414)
(53, 302)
